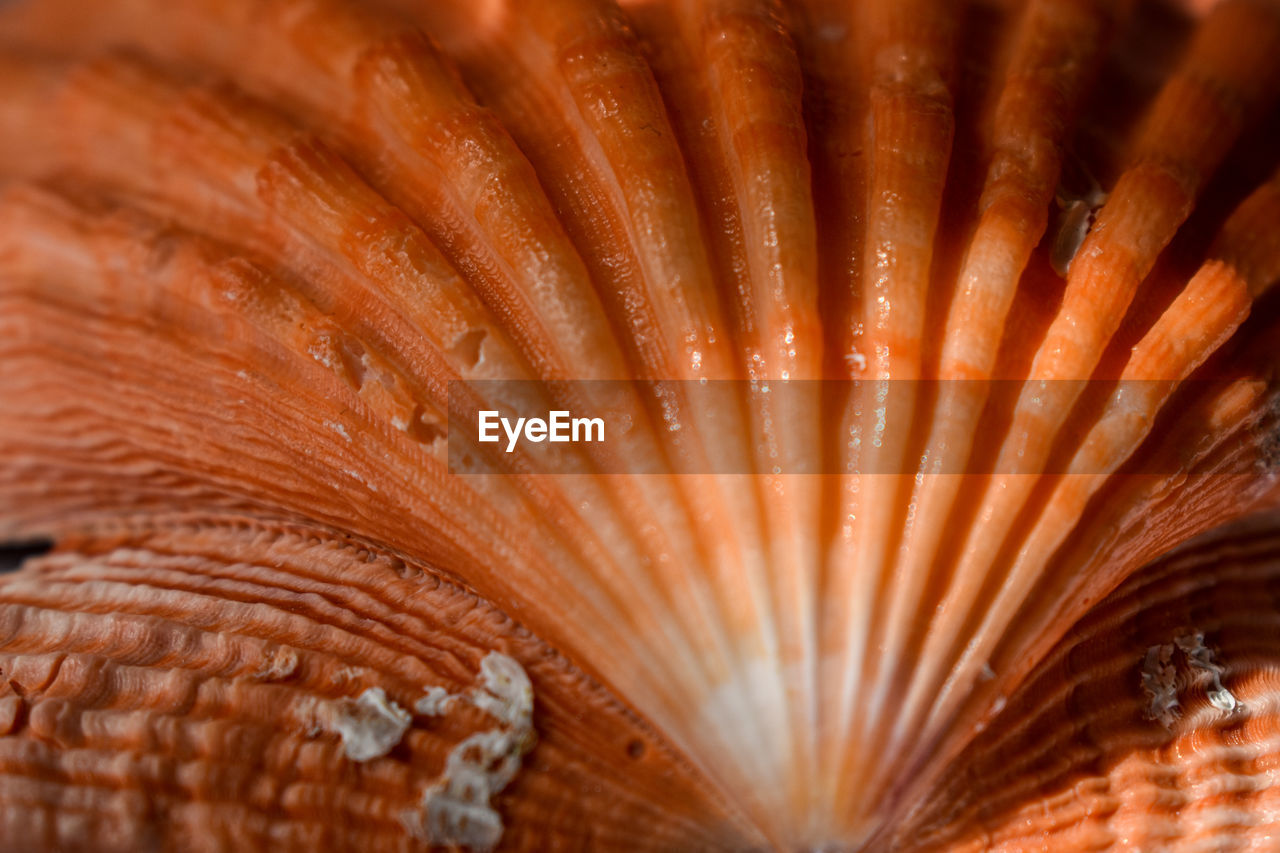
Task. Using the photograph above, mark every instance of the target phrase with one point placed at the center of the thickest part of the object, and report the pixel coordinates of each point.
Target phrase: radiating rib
(732, 85)
(1208, 469)
(1204, 315)
(189, 131)
(433, 514)
(1171, 160)
(909, 52)
(154, 277)
(373, 260)
(304, 212)
(1057, 49)
(1241, 269)
(552, 72)
(380, 93)
(255, 305)
(827, 35)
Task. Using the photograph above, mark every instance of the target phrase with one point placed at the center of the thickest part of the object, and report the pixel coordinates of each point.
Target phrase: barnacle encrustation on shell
(934, 342)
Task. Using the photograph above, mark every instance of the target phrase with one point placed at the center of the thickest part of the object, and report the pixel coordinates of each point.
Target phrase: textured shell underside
(1027, 599)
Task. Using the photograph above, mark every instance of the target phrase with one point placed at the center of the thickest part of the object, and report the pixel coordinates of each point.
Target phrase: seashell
(933, 348)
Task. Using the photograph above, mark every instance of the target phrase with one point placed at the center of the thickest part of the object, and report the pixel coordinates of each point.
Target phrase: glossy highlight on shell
(944, 337)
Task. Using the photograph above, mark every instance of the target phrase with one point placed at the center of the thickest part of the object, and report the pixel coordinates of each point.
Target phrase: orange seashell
(932, 351)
